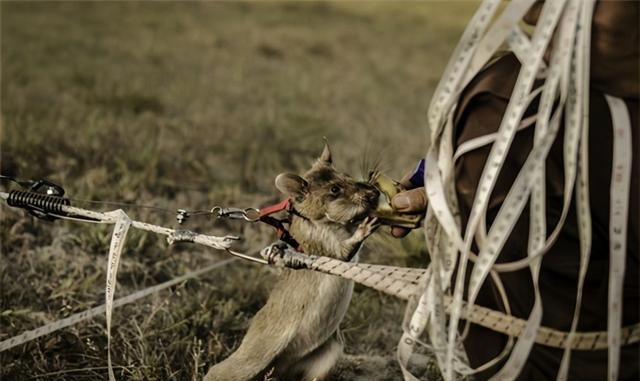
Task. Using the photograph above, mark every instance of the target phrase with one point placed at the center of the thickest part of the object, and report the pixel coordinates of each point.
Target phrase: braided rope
(404, 282)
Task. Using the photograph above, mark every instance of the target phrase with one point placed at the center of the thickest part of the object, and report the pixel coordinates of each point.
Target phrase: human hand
(412, 200)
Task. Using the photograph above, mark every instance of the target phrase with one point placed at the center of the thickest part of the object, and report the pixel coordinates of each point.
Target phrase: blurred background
(191, 105)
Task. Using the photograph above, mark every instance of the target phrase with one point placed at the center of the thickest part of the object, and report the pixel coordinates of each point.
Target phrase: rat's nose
(369, 193)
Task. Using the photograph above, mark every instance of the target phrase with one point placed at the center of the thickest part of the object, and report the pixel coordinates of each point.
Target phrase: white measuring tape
(48, 328)
(582, 193)
(118, 238)
(543, 138)
(567, 75)
(620, 182)
(514, 112)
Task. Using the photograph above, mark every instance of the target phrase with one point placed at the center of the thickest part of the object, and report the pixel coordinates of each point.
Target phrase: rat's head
(326, 194)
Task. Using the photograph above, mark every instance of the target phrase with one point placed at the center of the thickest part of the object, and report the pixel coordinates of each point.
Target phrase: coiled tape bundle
(437, 311)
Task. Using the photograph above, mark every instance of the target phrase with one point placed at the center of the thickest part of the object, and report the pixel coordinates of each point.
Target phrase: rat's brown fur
(296, 331)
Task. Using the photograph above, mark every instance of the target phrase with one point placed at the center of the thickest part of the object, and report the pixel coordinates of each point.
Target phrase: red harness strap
(282, 233)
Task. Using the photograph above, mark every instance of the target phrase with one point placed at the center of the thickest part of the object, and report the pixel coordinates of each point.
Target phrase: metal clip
(248, 214)
(182, 216)
(47, 187)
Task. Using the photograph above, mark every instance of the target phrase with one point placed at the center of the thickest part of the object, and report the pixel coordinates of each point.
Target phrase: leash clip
(247, 214)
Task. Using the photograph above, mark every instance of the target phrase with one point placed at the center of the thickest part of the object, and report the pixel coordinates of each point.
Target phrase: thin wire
(141, 206)
(22, 183)
(191, 213)
(127, 204)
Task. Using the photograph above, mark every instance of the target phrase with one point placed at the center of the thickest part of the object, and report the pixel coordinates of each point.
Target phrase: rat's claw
(373, 224)
(282, 254)
(367, 227)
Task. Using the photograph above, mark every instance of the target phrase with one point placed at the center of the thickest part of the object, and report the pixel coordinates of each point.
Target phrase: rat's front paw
(366, 228)
(282, 254)
(274, 252)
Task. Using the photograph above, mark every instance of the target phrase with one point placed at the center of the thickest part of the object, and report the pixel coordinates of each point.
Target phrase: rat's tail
(253, 358)
(237, 367)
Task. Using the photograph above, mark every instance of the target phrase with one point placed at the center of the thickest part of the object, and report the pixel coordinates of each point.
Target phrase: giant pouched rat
(296, 333)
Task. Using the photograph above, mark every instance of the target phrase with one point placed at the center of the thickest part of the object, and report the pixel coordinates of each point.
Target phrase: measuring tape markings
(620, 183)
(567, 185)
(572, 145)
(438, 318)
(431, 314)
(464, 148)
(447, 245)
(515, 109)
(427, 313)
(550, 25)
(520, 45)
(570, 150)
(561, 54)
(492, 237)
(118, 239)
(481, 141)
(501, 30)
(432, 176)
(581, 77)
(444, 96)
(486, 48)
(506, 131)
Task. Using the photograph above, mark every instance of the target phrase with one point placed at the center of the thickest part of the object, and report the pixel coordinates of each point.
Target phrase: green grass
(191, 105)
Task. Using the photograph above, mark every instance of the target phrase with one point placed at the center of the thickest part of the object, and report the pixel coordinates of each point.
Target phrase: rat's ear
(292, 185)
(325, 157)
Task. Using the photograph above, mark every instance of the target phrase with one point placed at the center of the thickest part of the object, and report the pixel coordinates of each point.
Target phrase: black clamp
(43, 200)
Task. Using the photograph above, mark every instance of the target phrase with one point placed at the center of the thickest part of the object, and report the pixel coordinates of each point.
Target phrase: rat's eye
(335, 190)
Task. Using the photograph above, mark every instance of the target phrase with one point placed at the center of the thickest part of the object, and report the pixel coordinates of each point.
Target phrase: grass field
(191, 105)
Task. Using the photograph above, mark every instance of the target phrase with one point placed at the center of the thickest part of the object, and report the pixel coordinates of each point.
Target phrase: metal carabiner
(247, 214)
